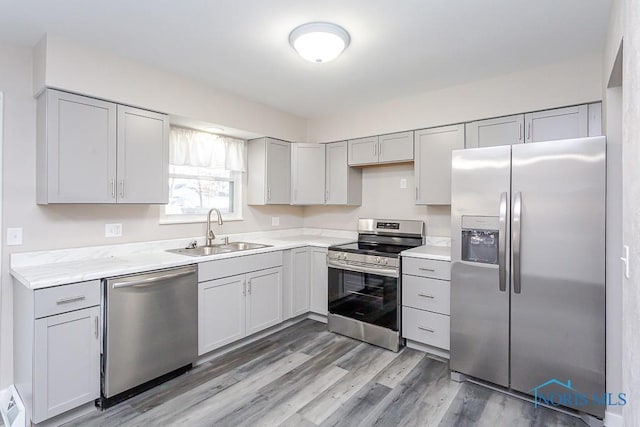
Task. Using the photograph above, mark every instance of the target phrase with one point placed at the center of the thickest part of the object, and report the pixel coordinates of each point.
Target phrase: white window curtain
(201, 149)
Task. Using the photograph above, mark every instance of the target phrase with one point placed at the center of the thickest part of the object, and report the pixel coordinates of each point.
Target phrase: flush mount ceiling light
(319, 41)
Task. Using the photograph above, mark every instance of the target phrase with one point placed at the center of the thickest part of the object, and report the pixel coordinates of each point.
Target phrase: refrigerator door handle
(516, 241)
(502, 253)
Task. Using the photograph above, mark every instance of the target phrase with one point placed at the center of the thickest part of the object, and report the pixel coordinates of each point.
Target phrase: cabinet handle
(122, 189)
(380, 148)
(426, 296)
(375, 149)
(422, 328)
(519, 132)
(268, 193)
(426, 269)
(529, 132)
(417, 193)
(113, 188)
(96, 327)
(249, 287)
(244, 288)
(70, 299)
(326, 196)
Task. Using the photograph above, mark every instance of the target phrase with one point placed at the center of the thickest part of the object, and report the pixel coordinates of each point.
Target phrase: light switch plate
(14, 236)
(275, 220)
(112, 230)
(403, 183)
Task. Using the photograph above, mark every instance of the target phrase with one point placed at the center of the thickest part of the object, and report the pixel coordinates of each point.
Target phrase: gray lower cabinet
(268, 172)
(94, 151)
(296, 282)
(343, 184)
(426, 294)
(432, 166)
(319, 298)
(57, 337)
(238, 297)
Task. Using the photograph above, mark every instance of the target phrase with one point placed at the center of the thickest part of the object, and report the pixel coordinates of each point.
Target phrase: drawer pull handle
(422, 328)
(70, 299)
(426, 296)
(426, 269)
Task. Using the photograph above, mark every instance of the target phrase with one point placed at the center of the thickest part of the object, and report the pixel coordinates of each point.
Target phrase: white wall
(62, 226)
(631, 209)
(558, 85)
(552, 86)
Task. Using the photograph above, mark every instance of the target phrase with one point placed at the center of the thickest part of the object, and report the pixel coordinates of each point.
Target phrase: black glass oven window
(366, 297)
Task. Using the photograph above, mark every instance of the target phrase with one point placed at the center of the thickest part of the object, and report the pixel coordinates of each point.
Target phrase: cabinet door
(221, 312)
(363, 151)
(307, 174)
(264, 299)
(433, 163)
(143, 156)
(343, 184)
(595, 119)
(80, 141)
(501, 131)
(299, 281)
(560, 123)
(319, 300)
(66, 362)
(278, 172)
(396, 147)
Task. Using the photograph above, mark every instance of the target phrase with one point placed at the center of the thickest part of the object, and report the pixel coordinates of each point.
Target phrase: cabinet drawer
(425, 327)
(427, 268)
(240, 265)
(426, 294)
(60, 299)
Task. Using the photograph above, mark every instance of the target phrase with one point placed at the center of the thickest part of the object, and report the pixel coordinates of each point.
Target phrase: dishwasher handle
(150, 281)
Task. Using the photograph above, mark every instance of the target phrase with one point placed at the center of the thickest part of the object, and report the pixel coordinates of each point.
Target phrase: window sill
(169, 221)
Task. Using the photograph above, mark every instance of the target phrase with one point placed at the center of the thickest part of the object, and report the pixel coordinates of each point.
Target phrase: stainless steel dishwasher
(150, 330)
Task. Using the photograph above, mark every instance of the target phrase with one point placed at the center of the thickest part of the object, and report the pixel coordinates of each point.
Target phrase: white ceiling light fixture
(319, 41)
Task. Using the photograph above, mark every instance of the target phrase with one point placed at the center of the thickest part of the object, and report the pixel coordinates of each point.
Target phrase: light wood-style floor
(306, 376)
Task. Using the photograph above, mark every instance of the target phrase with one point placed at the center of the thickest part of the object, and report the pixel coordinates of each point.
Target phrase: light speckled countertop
(437, 248)
(43, 269)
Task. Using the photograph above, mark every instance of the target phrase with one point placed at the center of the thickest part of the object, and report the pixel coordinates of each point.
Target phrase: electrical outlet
(112, 230)
(14, 236)
(275, 220)
(403, 183)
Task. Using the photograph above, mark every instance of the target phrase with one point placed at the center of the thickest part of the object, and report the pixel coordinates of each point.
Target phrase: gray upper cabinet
(433, 163)
(93, 151)
(143, 156)
(391, 148)
(307, 174)
(492, 132)
(559, 123)
(595, 119)
(363, 151)
(343, 184)
(395, 147)
(268, 172)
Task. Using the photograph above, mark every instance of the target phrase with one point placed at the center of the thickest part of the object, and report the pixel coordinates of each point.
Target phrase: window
(205, 171)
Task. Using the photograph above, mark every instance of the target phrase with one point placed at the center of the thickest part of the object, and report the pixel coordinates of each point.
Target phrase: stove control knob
(386, 261)
(377, 260)
(344, 257)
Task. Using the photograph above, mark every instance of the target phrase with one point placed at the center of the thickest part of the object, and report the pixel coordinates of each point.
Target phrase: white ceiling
(397, 46)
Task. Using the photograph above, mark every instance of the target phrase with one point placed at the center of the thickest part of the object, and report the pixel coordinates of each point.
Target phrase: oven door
(365, 293)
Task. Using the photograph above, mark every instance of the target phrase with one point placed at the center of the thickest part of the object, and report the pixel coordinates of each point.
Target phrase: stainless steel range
(364, 280)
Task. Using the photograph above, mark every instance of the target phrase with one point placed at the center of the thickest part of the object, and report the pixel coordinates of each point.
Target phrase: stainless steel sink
(218, 249)
(243, 246)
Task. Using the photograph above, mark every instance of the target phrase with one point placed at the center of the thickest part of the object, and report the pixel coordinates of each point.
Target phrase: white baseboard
(613, 420)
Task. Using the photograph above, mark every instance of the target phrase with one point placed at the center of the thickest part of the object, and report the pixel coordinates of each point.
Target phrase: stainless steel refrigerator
(528, 266)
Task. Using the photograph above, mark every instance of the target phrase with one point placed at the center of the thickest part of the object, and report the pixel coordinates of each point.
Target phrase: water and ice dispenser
(480, 239)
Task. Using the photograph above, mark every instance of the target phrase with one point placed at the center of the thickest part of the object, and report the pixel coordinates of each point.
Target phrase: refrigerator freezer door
(558, 315)
(480, 184)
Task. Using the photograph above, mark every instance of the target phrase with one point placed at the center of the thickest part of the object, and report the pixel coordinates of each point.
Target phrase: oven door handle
(341, 265)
